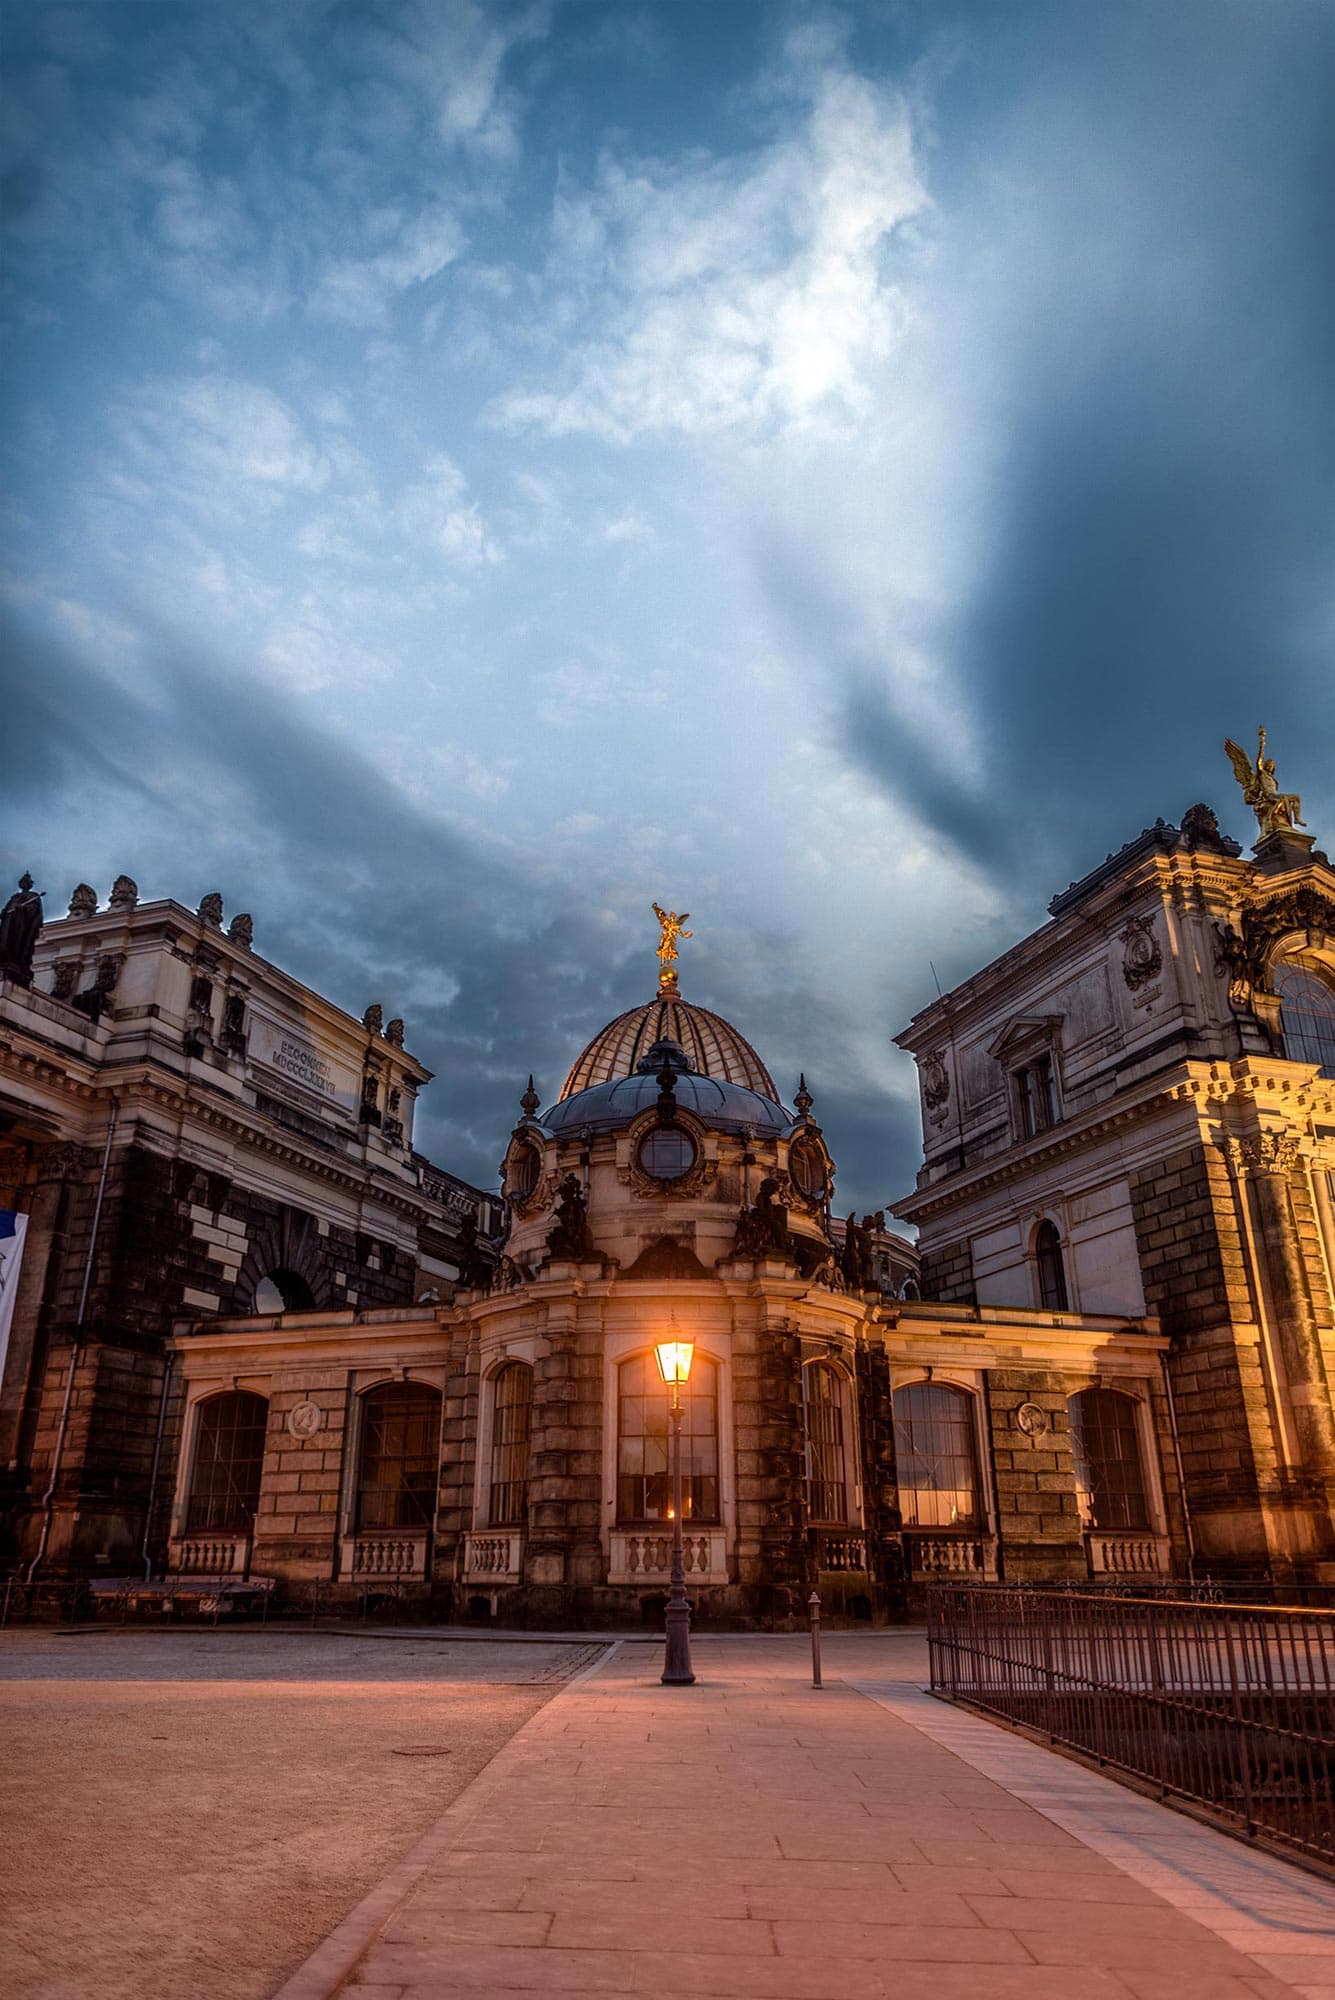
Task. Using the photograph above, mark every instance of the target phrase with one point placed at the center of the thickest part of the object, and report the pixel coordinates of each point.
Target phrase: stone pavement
(754, 1837)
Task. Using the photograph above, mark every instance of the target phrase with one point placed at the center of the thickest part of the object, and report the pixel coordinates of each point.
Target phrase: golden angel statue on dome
(1276, 811)
(672, 930)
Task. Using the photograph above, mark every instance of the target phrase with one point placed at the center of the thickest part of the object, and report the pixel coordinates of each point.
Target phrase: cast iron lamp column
(674, 1359)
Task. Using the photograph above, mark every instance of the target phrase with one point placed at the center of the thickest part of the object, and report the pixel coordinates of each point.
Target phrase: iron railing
(1230, 1706)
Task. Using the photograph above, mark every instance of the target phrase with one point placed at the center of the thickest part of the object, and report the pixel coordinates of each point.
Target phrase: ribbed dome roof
(722, 1106)
(712, 1045)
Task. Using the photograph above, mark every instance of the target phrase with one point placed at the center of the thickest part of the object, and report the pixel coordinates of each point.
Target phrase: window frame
(1047, 1249)
(970, 1405)
(239, 1523)
(1313, 970)
(375, 1395)
(820, 1485)
(498, 1444)
(652, 1392)
(1134, 1410)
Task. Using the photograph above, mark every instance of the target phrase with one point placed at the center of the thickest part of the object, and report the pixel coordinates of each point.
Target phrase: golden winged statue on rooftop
(1276, 811)
(672, 930)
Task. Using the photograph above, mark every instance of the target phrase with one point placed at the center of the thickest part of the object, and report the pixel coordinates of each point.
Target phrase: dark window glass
(511, 1410)
(667, 1154)
(936, 1464)
(283, 1291)
(807, 1166)
(400, 1456)
(1105, 1445)
(1035, 1096)
(827, 1464)
(644, 1464)
(1307, 1014)
(522, 1177)
(1052, 1294)
(229, 1457)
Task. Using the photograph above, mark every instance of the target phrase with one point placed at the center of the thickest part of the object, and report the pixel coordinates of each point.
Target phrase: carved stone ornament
(241, 930)
(1032, 1419)
(394, 1033)
(20, 922)
(1266, 1153)
(124, 894)
(305, 1419)
(83, 903)
(936, 1086)
(651, 1187)
(64, 979)
(1244, 954)
(374, 1018)
(1200, 828)
(1142, 960)
(211, 910)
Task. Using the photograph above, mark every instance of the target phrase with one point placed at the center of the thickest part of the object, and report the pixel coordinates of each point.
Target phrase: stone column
(788, 1573)
(880, 1487)
(1266, 1164)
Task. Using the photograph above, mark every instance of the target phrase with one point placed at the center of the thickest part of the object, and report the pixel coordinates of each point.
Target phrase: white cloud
(734, 293)
(436, 511)
(360, 291)
(216, 442)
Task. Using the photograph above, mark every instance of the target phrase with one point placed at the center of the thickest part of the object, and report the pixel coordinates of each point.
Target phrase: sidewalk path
(753, 1838)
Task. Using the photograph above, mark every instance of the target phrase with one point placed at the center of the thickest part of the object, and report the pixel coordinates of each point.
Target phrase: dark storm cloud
(1149, 261)
(365, 896)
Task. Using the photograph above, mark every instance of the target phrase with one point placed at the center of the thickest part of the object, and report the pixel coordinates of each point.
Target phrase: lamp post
(674, 1359)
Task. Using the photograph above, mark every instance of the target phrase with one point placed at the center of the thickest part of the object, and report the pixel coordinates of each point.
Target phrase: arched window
(511, 1410)
(1105, 1445)
(936, 1462)
(283, 1292)
(400, 1456)
(229, 1457)
(644, 1465)
(1307, 1012)
(1052, 1295)
(806, 1164)
(827, 1459)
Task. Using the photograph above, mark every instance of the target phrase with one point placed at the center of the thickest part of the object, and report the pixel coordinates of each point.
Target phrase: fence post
(813, 1605)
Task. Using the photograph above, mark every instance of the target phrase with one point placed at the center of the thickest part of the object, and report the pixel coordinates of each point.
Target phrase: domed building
(503, 1453)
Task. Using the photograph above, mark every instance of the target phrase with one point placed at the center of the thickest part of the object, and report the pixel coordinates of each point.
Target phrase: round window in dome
(667, 1153)
(521, 1171)
(806, 1164)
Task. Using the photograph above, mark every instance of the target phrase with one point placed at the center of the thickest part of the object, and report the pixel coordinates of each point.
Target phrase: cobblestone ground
(187, 1814)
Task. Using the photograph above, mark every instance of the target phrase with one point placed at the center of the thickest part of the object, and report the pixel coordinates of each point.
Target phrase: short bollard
(813, 1605)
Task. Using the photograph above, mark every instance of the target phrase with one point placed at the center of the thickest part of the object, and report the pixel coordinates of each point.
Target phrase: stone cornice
(1212, 1083)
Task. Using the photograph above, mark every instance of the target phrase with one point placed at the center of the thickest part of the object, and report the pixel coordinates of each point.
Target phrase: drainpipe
(144, 1556)
(1177, 1460)
(48, 1498)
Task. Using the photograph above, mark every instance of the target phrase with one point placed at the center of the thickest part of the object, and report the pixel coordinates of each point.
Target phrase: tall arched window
(1052, 1294)
(644, 1481)
(229, 1457)
(511, 1410)
(400, 1456)
(1307, 1012)
(935, 1458)
(827, 1459)
(1105, 1445)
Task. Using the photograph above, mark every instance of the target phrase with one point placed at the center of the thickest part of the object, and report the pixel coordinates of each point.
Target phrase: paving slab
(753, 1836)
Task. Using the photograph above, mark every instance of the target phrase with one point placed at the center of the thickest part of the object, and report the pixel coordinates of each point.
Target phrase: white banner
(13, 1229)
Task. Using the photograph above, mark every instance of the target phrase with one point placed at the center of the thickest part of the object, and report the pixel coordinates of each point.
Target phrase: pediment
(1024, 1032)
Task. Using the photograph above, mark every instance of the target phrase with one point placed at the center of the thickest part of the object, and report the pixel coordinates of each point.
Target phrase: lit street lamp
(674, 1359)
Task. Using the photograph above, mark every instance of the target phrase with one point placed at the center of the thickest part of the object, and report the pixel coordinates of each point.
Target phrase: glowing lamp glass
(674, 1359)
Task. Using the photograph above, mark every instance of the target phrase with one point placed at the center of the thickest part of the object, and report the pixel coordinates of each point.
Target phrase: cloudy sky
(471, 469)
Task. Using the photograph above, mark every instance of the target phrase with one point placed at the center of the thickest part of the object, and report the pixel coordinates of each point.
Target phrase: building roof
(713, 1048)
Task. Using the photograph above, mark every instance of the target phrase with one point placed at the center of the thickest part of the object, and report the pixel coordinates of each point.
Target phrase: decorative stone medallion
(305, 1419)
(1032, 1420)
(1142, 960)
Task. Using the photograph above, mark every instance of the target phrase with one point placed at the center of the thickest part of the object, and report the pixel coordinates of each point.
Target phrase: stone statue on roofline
(20, 922)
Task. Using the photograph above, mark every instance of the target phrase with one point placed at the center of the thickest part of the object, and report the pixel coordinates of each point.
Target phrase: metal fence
(1230, 1706)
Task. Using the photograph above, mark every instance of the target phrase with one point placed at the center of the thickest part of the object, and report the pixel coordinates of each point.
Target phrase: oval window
(522, 1173)
(806, 1164)
(667, 1153)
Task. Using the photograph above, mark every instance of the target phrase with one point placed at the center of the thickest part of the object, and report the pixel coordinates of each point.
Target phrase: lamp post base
(677, 1655)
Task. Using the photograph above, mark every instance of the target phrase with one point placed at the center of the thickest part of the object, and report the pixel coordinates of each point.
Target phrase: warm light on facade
(674, 1358)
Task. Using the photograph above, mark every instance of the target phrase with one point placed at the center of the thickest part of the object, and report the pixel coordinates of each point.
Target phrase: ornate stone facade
(182, 1129)
(1166, 1145)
